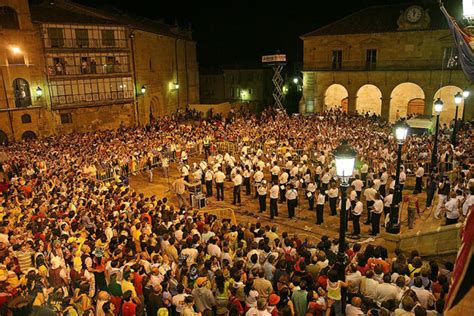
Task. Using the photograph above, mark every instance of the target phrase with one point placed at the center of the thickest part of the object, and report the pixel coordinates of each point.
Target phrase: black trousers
(359, 193)
(247, 186)
(419, 183)
(207, 150)
(236, 194)
(369, 213)
(256, 187)
(186, 178)
(311, 202)
(282, 193)
(386, 210)
(429, 197)
(376, 223)
(333, 205)
(274, 178)
(319, 213)
(273, 207)
(382, 190)
(262, 202)
(220, 191)
(291, 208)
(356, 224)
(450, 221)
(209, 188)
(363, 177)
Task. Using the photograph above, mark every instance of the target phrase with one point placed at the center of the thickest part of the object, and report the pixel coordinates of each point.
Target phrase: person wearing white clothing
(419, 177)
(452, 209)
(356, 213)
(219, 178)
(237, 180)
(209, 175)
(310, 189)
(291, 196)
(377, 211)
(274, 192)
(469, 202)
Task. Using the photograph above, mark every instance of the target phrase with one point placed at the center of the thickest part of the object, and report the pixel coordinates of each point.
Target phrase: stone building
(66, 67)
(391, 60)
(237, 84)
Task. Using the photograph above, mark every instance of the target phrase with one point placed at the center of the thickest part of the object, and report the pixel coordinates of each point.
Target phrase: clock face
(414, 14)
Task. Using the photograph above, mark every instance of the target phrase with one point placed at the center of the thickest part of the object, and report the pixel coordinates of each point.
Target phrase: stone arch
(400, 97)
(3, 137)
(21, 89)
(28, 135)
(8, 18)
(369, 99)
(416, 106)
(446, 94)
(26, 118)
(335, 97)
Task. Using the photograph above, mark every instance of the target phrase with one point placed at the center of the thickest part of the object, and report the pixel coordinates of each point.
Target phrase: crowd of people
(73, 245)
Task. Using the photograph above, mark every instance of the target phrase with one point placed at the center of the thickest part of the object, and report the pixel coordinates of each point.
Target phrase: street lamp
(345, 160)
(401, 132)
(438, 107)
(465, 94)
(143, 89)
(457, 100)
(39, 92)
(295, 80)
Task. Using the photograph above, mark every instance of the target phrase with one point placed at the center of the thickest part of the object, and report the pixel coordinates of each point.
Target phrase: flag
(462, 42)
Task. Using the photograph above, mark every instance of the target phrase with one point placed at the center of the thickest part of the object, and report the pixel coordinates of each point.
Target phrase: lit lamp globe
(345, 161)
(458, 98)
(39, 92)
(295, 80)
(465, 93)
(401, 131)
(438, 106)
(143, 89)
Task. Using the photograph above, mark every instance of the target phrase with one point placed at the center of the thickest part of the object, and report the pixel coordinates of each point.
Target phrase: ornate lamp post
(465, 95)
(401, 132)
(457, 100)
(438, 107)
(345, 160)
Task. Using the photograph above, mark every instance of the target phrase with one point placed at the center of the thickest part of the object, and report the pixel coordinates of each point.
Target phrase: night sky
(239, 32)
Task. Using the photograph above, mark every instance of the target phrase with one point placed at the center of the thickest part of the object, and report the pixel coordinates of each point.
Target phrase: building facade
(237, 85)
(66, 67)
(390, 60)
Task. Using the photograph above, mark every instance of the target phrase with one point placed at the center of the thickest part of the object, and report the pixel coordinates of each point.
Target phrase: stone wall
(444, 240)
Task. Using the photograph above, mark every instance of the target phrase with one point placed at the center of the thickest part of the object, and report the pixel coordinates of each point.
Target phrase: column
(386, 108)
(352, 101)
(429, 100)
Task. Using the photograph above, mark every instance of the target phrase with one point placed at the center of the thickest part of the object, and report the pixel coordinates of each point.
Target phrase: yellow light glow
(15, 50)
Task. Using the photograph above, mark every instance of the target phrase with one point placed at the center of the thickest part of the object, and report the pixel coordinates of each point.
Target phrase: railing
(85, 44)
(66, 70)
(399, 64)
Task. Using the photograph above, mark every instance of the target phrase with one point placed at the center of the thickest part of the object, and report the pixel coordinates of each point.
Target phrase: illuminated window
(56, 38)
(21, 88)
(82, 37)
(371, 59)
(108, 38)
(8, 18)
(336, 59)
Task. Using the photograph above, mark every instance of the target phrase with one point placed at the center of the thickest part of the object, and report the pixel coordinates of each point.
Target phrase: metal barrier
(221, 213)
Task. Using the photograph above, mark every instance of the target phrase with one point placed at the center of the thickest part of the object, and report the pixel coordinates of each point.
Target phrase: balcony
(92, 99)
(83, 44)
(63, 70)
(383, 65)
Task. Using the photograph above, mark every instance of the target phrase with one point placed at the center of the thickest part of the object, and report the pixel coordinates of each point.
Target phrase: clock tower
(413, 18)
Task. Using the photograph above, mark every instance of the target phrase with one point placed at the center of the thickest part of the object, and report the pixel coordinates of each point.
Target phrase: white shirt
(237, 180)
(219, 176)
(209, 175)
(358, 208)
(378, 207)
(326, 178)
(311, 187)
(353, 195)
(262, 190)
(383, 178)
(291, 194)
(369, 194)
(387, 201)
(364, 169)
(333, 192)
(185, 171)
(321, 199)
(452, 209)
(377, 184)
(403, 177)
(274, 191)
(358, 184)
(420, 172)
(258, 176)
(275, 170)
(283, 178)
(467, 204)
(347, 206)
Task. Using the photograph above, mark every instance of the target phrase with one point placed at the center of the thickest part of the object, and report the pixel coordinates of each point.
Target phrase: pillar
(386, 107)
(352, 101)
(429, 100)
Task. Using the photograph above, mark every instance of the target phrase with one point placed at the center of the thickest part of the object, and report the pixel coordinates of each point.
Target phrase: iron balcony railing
(74, 70)
(400, 64)
(85, 44)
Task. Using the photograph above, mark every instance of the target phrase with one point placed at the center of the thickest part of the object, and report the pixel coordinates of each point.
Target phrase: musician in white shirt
(219, 178)
(257, 177)
(291, 196)
(283, 178)
(358, 184)
(237, 180)
(209, 175)
(333, 194)
(419, 177)
(274, 192)
(321, 198)
(377, 210)
(262, 196)
(310, 189)
(275, 171)
(356, 213)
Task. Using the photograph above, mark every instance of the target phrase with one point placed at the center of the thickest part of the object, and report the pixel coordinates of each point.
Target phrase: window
(108, 38)
(21, 89)
(59, 66)
(15, 58)
(66, 118)
(336, 59)
(250, 91)
(111, 64)
(82, 38)
(56, 37)
(371, 59)
(231, 92)
(26, 118)
(8, 18)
